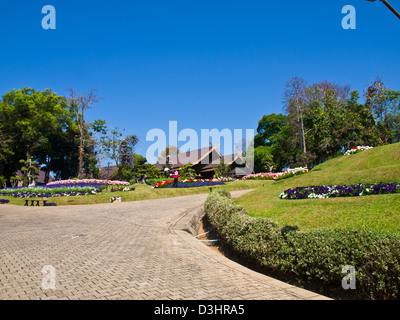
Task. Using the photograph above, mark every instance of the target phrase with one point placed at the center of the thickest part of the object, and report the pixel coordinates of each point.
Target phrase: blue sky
(205, 64)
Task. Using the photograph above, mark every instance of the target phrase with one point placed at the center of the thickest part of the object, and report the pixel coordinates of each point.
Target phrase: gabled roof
(41, 176)
(198, 156)
(207, 158)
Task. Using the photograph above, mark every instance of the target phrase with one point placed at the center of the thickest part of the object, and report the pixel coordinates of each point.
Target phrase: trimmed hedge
(310, 258)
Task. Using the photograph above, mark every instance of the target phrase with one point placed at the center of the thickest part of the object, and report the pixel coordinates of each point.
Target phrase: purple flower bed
(55, 190)
(320, 192)
(50, 204)
(75, 185)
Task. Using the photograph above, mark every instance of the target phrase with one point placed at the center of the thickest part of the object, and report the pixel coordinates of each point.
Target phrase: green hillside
(377, 212)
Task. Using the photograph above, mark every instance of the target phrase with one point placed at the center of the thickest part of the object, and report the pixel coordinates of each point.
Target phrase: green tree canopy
(32, 124)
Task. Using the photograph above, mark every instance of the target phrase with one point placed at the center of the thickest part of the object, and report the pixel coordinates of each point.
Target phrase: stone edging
(186, 226)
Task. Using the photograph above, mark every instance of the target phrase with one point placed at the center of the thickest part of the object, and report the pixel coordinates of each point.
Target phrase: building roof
(198, 156)
(41, 174)
(205, 159)
(105, 174)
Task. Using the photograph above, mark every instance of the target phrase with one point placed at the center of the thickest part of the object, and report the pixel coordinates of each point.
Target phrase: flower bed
(291, 173)
(260, 176)
(276, 176)
(190, 183)
(321, 192)
(88, 181)
(357, 150)
(50, 204)
(58, 190)
(115, 199)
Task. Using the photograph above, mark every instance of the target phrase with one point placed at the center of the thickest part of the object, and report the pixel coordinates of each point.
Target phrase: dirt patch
(205, 232)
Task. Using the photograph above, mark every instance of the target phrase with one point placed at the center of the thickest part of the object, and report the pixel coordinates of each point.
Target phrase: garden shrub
(154, 181)
(310, 257)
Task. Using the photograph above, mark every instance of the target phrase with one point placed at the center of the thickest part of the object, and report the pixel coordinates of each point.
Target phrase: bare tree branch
(79, 103)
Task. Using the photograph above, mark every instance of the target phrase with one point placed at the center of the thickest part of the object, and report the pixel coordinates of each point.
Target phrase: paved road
(133, 250)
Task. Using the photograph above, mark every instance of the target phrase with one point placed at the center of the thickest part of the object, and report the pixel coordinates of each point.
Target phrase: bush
(187, 172)
(310, 258)
(154, 181)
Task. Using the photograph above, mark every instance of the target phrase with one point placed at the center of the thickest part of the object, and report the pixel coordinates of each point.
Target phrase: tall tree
(324, 118)
(79, 103)
(324, 121)
(127, 157)
(268, 127)
(294, 99)
(100, 131)
(111, 145)
(357, 124)
(263, 159)
(384, 103)
(274, 131)
(28, 119)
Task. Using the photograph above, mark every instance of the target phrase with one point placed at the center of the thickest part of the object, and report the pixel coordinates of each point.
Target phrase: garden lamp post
(387, 4)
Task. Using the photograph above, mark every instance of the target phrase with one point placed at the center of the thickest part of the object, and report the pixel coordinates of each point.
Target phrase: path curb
(186, 228)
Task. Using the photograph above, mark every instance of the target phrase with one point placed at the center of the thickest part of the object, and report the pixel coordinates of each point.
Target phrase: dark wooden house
(204, 161)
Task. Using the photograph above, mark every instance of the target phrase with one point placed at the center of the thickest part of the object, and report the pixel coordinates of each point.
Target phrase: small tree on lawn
(222, 170)
(127, 158)
(152, 171)
(187, 172)
(30, 171)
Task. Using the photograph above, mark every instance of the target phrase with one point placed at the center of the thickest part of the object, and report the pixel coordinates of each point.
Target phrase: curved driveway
(131, 250)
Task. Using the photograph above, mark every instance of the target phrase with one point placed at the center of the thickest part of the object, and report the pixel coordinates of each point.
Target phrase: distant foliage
(323, 119)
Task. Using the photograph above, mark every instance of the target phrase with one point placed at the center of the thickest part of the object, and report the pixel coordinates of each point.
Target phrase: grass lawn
(141, 192)
(375, 212)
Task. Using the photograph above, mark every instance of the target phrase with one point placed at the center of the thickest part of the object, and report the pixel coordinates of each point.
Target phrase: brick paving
(130, 250)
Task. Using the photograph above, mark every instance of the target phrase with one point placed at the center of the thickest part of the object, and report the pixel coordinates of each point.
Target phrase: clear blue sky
(206, 64)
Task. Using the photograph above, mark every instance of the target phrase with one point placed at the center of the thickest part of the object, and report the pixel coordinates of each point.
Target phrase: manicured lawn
(141, 192)
(375, 212)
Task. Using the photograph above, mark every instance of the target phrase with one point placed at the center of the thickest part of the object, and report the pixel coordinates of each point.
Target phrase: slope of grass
(378, 212)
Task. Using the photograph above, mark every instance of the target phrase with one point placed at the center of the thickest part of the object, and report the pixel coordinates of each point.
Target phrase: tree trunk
(303, 136)
(81, 151)
(100, 173)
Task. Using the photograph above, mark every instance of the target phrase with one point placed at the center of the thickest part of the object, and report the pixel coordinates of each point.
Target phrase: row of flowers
(323, 192)
(189, 183)
(51, 191)
(61, 189)
(276, 176)
(88, 181)
(357, 149)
